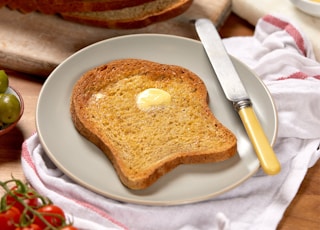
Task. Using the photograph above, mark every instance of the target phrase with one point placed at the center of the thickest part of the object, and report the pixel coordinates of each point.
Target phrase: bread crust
(22, 5)
(98, 19)
(113, 14)
(183, 141)
(56, 6)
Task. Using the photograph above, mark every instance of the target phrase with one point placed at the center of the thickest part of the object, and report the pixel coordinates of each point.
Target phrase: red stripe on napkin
(100, 212)
(298, 75)
(292, 31)
(26, 155)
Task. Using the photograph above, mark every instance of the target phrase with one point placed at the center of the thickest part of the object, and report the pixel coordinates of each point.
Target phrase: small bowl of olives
(11, 105)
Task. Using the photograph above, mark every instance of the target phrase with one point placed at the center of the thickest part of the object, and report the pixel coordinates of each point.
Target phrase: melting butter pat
(152, 97)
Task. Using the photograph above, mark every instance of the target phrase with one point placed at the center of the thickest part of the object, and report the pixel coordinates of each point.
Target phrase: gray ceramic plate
(88, 166)
(308, 7)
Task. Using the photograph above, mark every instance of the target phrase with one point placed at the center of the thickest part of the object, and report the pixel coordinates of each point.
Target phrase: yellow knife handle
(261, 145)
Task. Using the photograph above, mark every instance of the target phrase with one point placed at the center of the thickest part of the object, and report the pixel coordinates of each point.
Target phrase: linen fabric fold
(283, 58)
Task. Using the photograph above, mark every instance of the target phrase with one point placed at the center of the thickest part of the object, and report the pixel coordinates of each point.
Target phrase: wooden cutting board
(35, 43)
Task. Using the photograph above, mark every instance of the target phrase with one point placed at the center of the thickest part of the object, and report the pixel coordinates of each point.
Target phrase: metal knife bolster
(237, 105)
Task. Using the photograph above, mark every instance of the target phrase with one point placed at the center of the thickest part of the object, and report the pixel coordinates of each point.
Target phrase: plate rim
(307, 7)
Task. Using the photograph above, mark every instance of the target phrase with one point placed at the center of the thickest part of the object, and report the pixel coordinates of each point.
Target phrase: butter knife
(236, 93)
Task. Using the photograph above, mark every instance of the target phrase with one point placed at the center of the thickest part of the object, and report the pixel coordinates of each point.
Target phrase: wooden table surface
(303, 212)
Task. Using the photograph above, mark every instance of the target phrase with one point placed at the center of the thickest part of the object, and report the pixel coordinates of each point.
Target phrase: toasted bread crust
(144, 145)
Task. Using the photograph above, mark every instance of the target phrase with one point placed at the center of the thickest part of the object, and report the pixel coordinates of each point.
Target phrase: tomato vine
(22, 208)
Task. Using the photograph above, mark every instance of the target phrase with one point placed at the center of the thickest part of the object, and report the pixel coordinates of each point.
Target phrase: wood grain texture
(35, 43)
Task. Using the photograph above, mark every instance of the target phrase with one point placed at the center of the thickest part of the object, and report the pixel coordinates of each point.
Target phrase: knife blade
(236, 93)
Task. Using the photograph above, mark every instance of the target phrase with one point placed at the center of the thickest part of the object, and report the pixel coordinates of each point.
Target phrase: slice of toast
(131, 17)
(144, 144)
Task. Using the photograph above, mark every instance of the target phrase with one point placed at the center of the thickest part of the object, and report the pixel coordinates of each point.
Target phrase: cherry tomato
(30, 227)
(68, 228)
(28, 199)
(51, 213)
(9, 218)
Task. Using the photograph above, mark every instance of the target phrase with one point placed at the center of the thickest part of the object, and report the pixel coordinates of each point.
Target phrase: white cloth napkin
(282, 56)
(253, 10)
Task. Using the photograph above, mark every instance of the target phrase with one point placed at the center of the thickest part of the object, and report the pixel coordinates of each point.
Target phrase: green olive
(4, 81)
(9, 108)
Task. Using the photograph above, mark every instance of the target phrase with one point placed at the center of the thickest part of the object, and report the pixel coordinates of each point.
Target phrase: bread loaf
(132, 17)
(59, 6)
(4, 2)
(22, 5)
(115, 14)
(144, 144)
